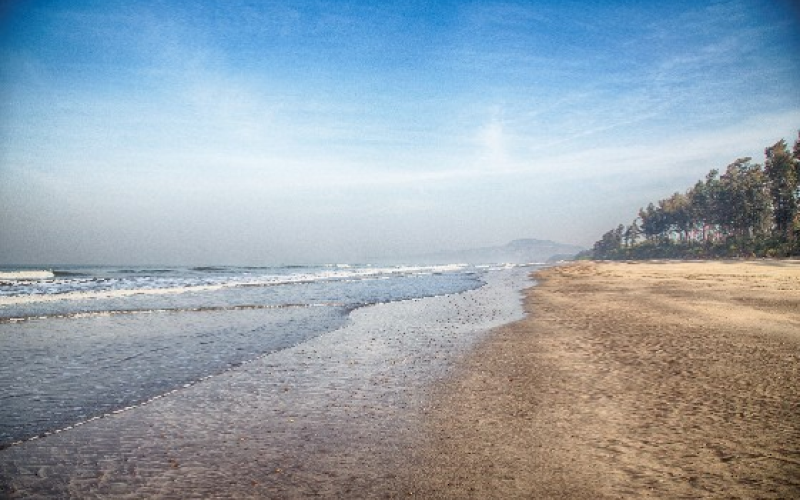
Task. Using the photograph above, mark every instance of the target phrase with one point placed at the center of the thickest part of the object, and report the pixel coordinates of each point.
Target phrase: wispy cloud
(493, 143)
(301, 109)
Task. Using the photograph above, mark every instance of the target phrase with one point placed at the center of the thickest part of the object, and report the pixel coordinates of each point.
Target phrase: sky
(292, 132)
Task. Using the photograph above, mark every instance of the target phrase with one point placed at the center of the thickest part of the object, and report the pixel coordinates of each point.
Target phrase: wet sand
(629, 380)
(336, 416)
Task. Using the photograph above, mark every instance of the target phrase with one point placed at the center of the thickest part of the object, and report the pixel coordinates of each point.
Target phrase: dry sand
(666, 380)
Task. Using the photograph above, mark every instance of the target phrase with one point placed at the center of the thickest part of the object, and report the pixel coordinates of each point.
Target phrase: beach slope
(663, 380)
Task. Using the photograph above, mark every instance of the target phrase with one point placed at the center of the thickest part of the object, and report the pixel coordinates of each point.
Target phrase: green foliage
(748, 211)
(781, 168)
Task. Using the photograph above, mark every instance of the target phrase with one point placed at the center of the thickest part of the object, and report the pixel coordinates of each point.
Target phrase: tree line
(750, 210)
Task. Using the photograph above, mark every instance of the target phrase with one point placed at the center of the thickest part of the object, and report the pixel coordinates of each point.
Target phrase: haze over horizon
(157, 132)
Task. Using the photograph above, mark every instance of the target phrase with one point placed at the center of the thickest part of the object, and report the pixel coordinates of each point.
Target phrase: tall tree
(744, 200)
(701, 208)
(796, 153)
(652, 221)
(677, 215)
(781, 171)
(610, 245)
(632, 233)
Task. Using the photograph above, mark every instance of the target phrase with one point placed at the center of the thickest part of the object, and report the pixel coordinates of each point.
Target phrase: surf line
(233, 367)
(92, 314)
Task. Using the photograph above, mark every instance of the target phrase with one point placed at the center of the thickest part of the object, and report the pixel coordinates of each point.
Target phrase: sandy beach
(662, 380)
(624, 380)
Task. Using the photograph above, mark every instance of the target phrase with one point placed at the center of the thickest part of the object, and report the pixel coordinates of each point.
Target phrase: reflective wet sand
(54, 374)
(336, 416)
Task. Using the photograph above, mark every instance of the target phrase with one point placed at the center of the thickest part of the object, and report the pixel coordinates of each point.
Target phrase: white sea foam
(105, 294)
(26, 275)
(59, 290)
(97, 314)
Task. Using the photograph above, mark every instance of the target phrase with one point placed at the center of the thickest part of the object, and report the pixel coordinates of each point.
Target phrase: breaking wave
(26, 275)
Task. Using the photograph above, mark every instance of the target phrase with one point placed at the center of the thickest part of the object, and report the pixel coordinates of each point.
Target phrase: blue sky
(308, 131)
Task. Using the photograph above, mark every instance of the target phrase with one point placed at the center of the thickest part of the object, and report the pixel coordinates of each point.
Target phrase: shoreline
(337, 416)
(633, 380)
(661, 380)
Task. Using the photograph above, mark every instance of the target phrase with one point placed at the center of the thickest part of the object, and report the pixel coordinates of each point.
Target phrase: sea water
(77, 343)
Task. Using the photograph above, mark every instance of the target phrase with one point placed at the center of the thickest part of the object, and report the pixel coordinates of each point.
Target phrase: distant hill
(517, 252)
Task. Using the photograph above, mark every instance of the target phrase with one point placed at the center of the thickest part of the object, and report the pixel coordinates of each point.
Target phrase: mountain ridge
(519, 251)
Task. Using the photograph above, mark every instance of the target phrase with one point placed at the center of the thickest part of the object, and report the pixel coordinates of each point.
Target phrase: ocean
(80, 343)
